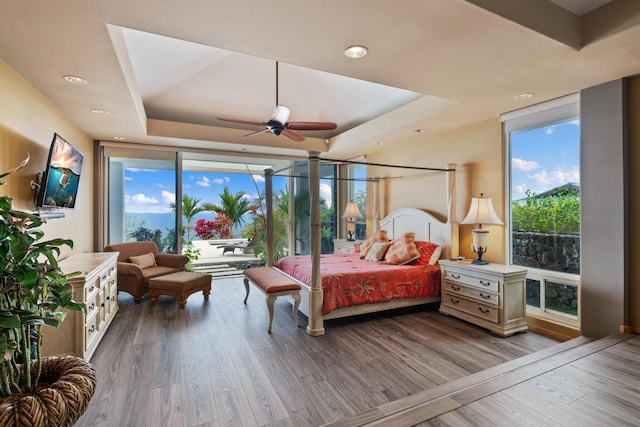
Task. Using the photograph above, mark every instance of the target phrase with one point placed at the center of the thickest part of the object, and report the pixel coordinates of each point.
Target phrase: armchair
(134, 278)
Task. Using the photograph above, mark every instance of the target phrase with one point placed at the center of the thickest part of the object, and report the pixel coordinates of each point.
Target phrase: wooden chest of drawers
(79, 334)
(491, 296)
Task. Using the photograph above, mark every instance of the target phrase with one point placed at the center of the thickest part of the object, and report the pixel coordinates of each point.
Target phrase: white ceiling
(165, 69)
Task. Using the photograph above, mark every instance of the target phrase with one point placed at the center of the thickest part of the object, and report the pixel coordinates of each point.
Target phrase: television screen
(62, 176)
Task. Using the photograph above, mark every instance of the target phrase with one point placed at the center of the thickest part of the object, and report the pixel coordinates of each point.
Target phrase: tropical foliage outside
(553, 214)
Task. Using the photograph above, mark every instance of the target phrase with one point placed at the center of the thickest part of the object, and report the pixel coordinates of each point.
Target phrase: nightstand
(491, 296)
(344, 246)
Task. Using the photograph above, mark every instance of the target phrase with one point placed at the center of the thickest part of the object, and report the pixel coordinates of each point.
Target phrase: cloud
(518, 191)
(220, 181)
(555, 178)
(549, 131)
(524, 165)
(325, 193)
(248, 197)
(141, 199)
(168, 197)
(126, 178)
(258, 178)
(204, 182)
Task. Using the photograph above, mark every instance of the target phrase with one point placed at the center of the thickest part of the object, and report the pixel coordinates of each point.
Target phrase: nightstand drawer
(484, 311)
(477, 280)
(341, 246)
(475, 293)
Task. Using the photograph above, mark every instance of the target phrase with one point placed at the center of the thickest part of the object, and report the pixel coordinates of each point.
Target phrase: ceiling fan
(278, 123)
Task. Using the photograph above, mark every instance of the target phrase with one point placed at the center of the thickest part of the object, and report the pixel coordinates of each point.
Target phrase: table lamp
(481, 212)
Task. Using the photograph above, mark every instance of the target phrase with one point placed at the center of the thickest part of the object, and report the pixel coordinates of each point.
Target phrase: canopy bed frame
(425, 226)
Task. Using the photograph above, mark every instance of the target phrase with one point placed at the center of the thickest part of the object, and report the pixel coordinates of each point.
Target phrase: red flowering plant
(219, 228)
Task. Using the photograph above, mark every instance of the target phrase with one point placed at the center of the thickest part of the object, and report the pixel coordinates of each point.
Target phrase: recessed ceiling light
(75, 80)
(418, 130)
(119, 138)
(522, 96)
(355, 51)
(379, 143)
(99, 111)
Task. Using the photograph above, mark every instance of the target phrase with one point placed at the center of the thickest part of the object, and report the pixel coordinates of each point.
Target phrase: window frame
(539, 115)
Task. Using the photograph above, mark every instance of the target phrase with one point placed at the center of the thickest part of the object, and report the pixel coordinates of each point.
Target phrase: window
(543, 143)
(358, 193)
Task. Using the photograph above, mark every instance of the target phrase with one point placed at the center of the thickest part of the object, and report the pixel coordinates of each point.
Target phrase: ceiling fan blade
(311, 125)
(255, 133)
(292, 134)
(244, 122)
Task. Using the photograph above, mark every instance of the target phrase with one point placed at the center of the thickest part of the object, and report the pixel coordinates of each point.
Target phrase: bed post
(268, 194)
(316, 323)
(452, 222)
(376, 205)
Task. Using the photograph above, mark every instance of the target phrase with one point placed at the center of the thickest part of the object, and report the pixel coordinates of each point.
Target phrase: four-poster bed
(307, 270)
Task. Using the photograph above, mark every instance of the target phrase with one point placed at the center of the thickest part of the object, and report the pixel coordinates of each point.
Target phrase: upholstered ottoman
(179, 285)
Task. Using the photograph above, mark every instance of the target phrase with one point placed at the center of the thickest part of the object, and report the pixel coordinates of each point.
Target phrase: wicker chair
(134, 279)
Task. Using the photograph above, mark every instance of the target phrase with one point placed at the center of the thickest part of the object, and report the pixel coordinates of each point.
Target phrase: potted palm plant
(33, 290)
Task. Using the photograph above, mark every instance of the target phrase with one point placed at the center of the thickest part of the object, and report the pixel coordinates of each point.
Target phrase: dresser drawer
(92, 305)
(479, 281)
(91, 331)
(475, 308)
(469, 292)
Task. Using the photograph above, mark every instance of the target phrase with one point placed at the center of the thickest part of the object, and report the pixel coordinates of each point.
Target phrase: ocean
(163, 221)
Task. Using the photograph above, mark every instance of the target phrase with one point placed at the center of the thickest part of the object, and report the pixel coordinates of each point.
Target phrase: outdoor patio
(212, 259)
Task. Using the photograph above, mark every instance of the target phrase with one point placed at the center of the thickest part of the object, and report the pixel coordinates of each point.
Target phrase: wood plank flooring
(213, 363)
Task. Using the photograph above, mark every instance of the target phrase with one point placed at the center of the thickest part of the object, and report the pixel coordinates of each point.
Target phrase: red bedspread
(347, 280)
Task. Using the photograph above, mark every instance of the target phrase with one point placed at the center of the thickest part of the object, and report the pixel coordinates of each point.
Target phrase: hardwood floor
(214, 364)
(577, 383)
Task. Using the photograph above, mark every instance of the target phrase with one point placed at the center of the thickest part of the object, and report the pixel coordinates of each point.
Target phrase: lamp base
(479, 262)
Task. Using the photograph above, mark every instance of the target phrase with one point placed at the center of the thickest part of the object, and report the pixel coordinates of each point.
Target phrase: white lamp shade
(351, 211)
(482, 212)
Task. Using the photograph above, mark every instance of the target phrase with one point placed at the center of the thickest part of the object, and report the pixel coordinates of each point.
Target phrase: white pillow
(377, 251)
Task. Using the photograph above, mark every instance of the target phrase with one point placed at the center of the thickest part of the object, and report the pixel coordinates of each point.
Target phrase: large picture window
(544, 199)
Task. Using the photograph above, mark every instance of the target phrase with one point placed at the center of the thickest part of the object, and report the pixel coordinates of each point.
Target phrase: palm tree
(233, 206)
(190, 208)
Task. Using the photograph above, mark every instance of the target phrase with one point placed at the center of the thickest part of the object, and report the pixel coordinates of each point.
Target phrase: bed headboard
(425, 226)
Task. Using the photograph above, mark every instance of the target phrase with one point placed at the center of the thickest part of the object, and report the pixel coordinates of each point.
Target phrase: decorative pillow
(429, 253)
(144, 261)
(402, 250)
(377, 251)
(378, 236)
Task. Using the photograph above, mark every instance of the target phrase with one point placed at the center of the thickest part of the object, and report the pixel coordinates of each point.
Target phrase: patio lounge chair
(231, 247)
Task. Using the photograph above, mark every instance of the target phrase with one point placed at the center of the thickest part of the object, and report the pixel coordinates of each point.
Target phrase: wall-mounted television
(59, 184)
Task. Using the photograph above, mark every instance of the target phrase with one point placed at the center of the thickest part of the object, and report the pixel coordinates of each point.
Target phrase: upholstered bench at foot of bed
(274, 284)
(179, 285)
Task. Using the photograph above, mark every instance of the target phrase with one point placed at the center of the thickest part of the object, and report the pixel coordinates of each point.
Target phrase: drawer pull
(485, 296)
(484, 311)
(483, 283)
(92, 288)
(455, 301)
(455, 276)
(455, 288)
(92, 329)
(92, 306)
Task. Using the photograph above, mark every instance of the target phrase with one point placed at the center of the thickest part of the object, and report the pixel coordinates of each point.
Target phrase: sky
(153, 191)
(545, 158)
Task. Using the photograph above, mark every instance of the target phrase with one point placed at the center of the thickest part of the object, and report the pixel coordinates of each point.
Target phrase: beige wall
(27, 124)
(477, 150)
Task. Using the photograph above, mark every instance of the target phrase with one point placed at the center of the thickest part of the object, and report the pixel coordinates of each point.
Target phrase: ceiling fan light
(355, 51)
(281, 114)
